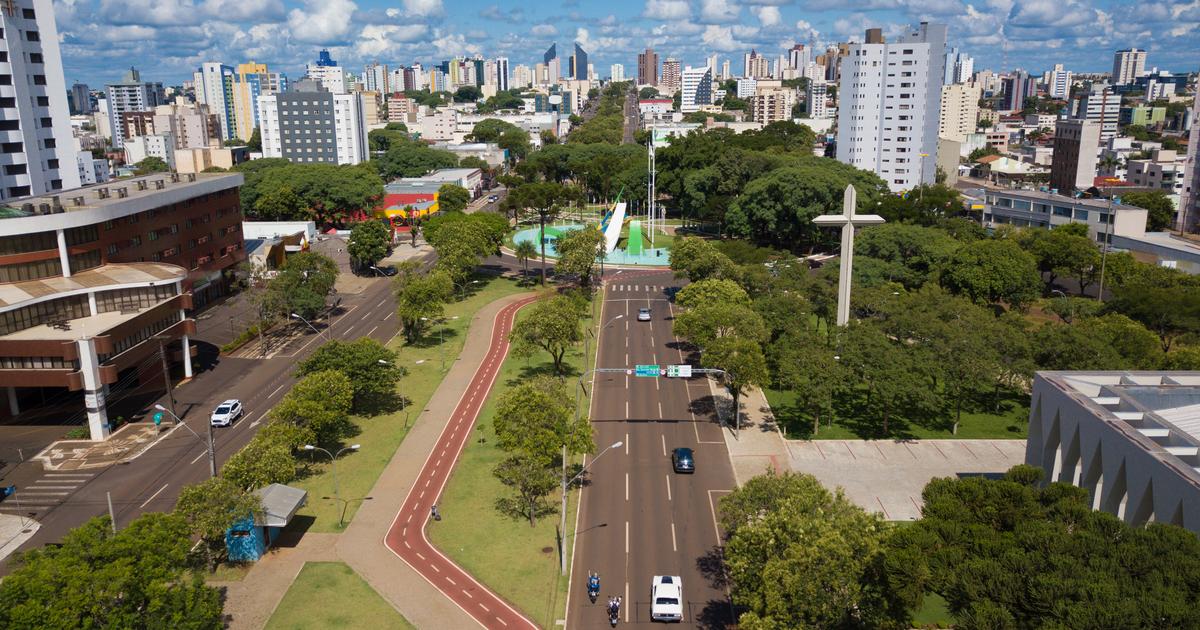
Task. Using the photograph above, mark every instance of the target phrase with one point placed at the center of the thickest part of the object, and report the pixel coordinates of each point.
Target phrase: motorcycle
(593, 587)
(614, 613)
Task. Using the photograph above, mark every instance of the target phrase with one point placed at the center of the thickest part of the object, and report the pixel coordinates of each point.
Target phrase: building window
(50, 143)
(28, 14)
(39, 79)
(112, 250)
(32, 36)
(135, 241)
(5, 79)
(52, 164)
(35, 58)
(15, 169)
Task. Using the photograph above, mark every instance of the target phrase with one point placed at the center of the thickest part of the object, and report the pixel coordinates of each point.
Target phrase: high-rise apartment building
(1073, 165)
(959, 67)
(579, 64)
(1058, 82)
(799, 56)
(959, 111)
(888, 106)
(1102, 106)
(616, 72)
(725, 72)
(39, 150)
(252, 80)
(1128, 65)
(756, 66)
(327, 73)
(551, 53)
(671, 75)
(522, 76)
(376, 78)
(501, 73)
(80, 99)
(1016, 87)
(311, 124)
(817, 99)
(1189, 201)
(696, 88)
(214, 87)
(132, 95)
(190, 126)
(647, 67)
(771, 101)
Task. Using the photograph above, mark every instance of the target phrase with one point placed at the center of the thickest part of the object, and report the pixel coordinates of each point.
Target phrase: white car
(643, 314)
(226, 413)
(666, 598)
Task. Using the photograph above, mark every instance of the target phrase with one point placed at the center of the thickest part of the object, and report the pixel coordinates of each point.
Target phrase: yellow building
(251, 81)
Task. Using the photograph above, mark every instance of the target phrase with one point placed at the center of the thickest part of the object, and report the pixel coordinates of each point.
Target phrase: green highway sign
(679, 371)
(647, 370)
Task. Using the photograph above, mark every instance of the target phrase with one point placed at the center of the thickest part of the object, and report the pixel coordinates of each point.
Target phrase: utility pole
(1104, 250)
(162, 354)
(112, 516)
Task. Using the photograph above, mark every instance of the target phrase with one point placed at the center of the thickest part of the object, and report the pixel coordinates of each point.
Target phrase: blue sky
(167, 39)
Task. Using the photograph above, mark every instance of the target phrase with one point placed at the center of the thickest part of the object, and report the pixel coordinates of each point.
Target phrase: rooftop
(16, 294)
(114, 193)
(1099, 204)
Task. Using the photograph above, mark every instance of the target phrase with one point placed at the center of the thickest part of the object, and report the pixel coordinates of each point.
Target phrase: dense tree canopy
(372, 368)
(368, 243)
(326, 193)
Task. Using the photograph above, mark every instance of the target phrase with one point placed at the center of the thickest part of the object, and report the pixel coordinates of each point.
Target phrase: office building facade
(671, 75)
(1128, 65)
(647, 67)
(1076, 145)
(1058, 83)
(579, 64)
(616, 72)
(959, 111)
(131, 95)
(696, 89)
(889, 104)
(309, 124)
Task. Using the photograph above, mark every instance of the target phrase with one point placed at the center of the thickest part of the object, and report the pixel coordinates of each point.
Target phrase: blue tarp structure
(250, 537)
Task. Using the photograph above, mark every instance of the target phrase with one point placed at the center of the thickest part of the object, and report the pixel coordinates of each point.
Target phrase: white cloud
(149, 12)
(377, 39)
(242, 11)
(768, 16)
(544, 30)
(423, 8)
(667, 9)
(720, 38)
(322, 21)
(718, 11)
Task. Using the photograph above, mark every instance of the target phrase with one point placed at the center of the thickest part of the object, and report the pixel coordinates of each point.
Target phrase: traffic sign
(646, 370)
(679, 371)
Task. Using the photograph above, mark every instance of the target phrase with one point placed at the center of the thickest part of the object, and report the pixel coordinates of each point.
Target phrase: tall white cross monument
(847, 220)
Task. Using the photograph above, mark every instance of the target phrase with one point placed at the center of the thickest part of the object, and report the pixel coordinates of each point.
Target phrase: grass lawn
(307, 604)
(380, 436)
(517, 561)
(933, 613)
(1010, 424)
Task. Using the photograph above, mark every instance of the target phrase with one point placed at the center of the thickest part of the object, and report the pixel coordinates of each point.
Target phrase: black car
(683, 461)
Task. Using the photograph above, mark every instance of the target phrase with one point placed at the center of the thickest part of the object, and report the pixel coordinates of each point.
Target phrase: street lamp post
(212, 451)
(462, 289)
(401, 392)
(309, 324)
(587, 340)
(440, 320)
(333, 462)
(562, 529)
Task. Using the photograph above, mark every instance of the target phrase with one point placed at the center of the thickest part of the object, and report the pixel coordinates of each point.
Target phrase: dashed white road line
(673, 546)
(668, 487)
(164, 487)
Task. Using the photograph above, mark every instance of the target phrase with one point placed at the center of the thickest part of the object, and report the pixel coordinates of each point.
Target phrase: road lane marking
(664, 443)
(673, 546)
(164, 487)
(372, 331)
(668, 487)
(434, 567)
(626, 443)
(485, 608)
(450, 580)
(627, 409)
(272, 394)
(626, 537)
(626, 486)
(502, 622)
(389, 316)
(420, 556)
(55, 474)
(381, 303)
(627, 599)
(203, 452)
(660, 415)
(34, 493)
(467, 593)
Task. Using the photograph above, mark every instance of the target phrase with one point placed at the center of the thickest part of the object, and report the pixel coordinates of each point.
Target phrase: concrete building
(889, 105)
(1189, 203)
(616, 73)
(1017, 87)
(376, 77)
(131, 95)
(1076, 145)
(1058, 83)
(440, 125)
(161, 146)
(326, 73)
(502, 74)
(1128, 65)
(310, 124)
(1164, 171)
(671, 76)
(647, 67)
(1101, 105)
(959, 111)
(746, 87)
(579, 64)
(192, 126)
(197, 160)
(1037, 209)
(35, 129)
(252, 80)
(1131, 439)
(92, 278)
(959, 67)
(772, 102)
(79, 99)
(756, 66)
(214, 88)
(697, 88)
(400, 108)
(817, 101)
(799, 56)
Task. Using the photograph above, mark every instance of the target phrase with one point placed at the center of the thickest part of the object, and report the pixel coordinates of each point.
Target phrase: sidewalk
(125, 443)
(759, 445)
(251, 601)
(14, 531)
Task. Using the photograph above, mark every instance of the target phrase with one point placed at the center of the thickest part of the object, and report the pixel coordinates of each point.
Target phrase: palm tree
(1110, 163)
(524, 251)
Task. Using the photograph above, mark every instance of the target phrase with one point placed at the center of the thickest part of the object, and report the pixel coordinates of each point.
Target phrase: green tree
(1161, 211)
(369, 242)
(743, 362)
(452, 198)
(1068, 347)
(705, 324)
(412, 159)
(553, 326)
(255, 141)
(1058, 252)
(135, 578)
(280, 204)
(578, 251)
(804, 364)
(648, 93)
(531, 480)
(320, 401)
(711, 291)
(913, 253)
(1070, 309)
(697, 259)
(265, 460)
(151, 164)
(524, 251)
(210, 508)
(546, 200)
(422, 299)
(801, 557)
(536, 418)
(303, 284)
(467, 94)
(329, 194)
(894, 380)
(1168, 311)
(372, 368)
(396, 126)
(984, 151)
(992, 271)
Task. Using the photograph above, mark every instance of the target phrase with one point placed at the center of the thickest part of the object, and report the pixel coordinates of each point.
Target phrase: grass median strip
(381, 435)
(354, 604)
(517, 561)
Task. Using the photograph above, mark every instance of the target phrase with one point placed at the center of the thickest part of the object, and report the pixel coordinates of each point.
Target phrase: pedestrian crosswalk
(46, 492)
(648, 288)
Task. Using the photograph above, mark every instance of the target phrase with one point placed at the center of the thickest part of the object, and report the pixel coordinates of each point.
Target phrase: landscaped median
(308, 603)
(518, 562)
(379, 436)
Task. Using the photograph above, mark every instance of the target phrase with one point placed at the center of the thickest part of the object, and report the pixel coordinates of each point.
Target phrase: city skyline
(169, 40)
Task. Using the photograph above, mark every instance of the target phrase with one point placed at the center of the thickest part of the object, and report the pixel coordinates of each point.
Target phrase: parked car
(226, 413)
(643, 314)
(666, 598)
(683, 461)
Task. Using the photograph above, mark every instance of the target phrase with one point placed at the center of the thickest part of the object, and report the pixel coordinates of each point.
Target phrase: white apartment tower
(959, 67)
(617, 72)
(1058, 84)
(1189, 203)
(697, 89)
(376, 78)
(817, 99)
(35, 124)
(309, 124)
(1128, 65)
(501, 73)
(131, 95)
(889, 101)
(214, 87)
(959, 111)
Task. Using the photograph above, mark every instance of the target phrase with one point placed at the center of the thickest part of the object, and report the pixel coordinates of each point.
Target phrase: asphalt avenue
(637, 517)
(407, 539)
(153, 480)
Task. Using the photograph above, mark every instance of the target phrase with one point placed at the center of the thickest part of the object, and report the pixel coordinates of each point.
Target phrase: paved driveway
(888, 477)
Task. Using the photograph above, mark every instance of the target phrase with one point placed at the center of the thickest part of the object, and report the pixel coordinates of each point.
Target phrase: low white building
(1131, 439)
(161, 146)
(92, 170)
(1164, 171)
(1037, 209)
(469, 178)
